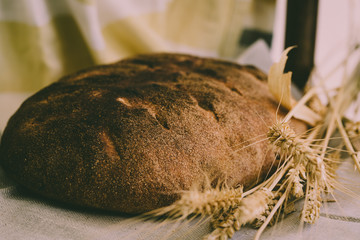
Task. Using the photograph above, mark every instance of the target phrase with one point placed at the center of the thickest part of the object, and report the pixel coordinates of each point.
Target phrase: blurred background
(42, 40)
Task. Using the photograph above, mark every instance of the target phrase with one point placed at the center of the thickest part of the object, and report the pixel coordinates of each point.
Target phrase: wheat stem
(271, 215)
(275, 179)
(348, 143)
(280, 175)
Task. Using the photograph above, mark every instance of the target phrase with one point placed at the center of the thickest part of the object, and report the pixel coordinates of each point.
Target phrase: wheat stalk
(308, 162)
(263, 204)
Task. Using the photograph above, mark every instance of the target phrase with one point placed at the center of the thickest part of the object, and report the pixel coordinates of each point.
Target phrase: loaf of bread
(130, 136)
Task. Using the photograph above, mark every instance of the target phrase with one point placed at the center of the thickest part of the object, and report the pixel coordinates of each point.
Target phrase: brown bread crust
(129, 136)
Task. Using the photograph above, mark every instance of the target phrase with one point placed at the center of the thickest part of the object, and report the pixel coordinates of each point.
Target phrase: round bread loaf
(130, 136)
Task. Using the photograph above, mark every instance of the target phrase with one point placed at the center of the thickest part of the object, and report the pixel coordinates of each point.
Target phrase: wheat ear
(247, 211)
(315, 173)
(206, 202)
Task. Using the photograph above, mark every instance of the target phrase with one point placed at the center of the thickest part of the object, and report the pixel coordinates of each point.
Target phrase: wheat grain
(282, 136)
(247, 211)
(316, 185)
(259, 221)
(206, 202)
(294, 176)
(293, 181)
(353, 129)
(308, 167)
(311, 210)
